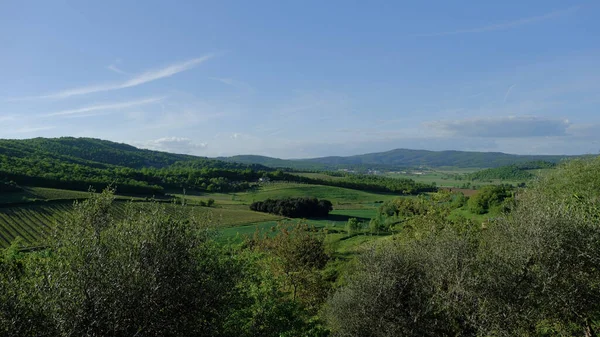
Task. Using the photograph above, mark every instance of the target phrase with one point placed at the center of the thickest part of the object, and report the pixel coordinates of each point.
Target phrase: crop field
(32, 222)
(35, 194)
(29, 222)
(40, 193)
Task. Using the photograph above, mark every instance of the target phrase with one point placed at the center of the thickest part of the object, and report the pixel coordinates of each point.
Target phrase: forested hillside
(78, 163)
(402, 158)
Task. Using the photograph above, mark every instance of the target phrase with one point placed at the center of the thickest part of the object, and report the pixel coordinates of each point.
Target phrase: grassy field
(340, 197)
(336, 220)
(338, 240)
(45, 206)
(315, 175)
(440, 178)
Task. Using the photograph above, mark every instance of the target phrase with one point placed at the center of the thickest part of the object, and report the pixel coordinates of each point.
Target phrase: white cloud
(504, 25)
(110, 106)
(136, 80)
(174, 145)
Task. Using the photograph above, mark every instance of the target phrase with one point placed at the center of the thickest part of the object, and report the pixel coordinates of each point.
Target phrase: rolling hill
(402, 158)
(102, 153)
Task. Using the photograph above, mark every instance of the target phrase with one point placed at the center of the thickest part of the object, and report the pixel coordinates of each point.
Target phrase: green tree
(353, 225)
(297, 257)
(147, 274)
(539, 269)
(488, 197)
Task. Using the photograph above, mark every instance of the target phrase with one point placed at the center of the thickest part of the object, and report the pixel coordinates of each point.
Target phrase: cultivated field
(32, 222)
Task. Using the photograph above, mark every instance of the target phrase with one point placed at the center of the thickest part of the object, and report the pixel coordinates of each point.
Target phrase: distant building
(264, 180)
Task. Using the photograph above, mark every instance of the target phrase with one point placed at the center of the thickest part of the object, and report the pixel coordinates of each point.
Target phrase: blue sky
(299, 79)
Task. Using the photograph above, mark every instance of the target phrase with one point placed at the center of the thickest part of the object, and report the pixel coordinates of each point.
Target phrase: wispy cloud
(504, 25)
(508, 92)
(116, 69)
(136, 80)
(111, 106)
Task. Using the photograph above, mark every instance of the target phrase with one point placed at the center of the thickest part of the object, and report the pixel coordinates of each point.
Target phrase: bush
(488, 197)
(149, 274)
(532, 272)
(353, 225)
(395, 291)
(540, 267)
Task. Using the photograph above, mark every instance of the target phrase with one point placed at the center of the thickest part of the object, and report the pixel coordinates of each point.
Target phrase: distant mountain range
(400, 158)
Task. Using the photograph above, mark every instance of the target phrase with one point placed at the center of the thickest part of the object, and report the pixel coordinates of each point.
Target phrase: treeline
(294, 207)
(510, 172)
(364, 182)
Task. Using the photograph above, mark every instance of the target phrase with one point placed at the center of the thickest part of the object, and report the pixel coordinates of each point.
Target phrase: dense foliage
(91, 151)
(365, 182)
(151, 274)
(532, 273)
(294, 207)
(489, 197)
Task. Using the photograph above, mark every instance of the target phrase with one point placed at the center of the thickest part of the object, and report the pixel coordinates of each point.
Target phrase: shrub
(353, 225)
(148, 274)
(532, 272)
(488, 197)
